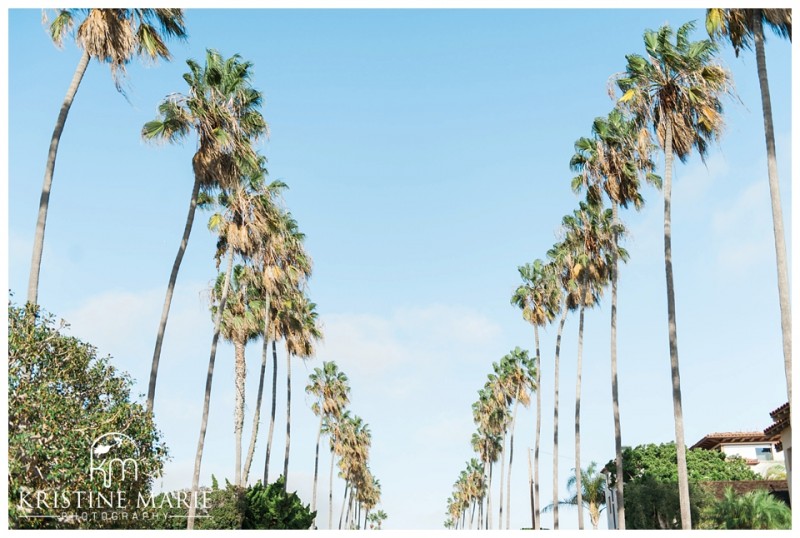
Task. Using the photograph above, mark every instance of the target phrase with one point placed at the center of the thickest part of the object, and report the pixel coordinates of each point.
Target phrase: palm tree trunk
(44, 200)
(537, 511)
(238, 418)
(257, 414)
(472, 515)
(594, 515)
(330, 497)
(316, 471)
(288, 415)
(510, 461)
(344, 502)
(775, 198)
(502, 475)
(680, 445)
(578, 485)
(614, 382)
(555, 419)
(489, 498)
(349, 508)
(207, 398)
(272, 411)
(530, 485)
(173, 278)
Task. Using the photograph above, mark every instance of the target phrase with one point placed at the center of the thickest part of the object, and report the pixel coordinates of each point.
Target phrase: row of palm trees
(262, 293)
(511, 383)
(349, 439)
(669, 100)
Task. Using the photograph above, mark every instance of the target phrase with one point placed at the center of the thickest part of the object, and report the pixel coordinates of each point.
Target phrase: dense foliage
(651, 483)
(255, 507)
(660, 463)
(752, 510)
(61, 398)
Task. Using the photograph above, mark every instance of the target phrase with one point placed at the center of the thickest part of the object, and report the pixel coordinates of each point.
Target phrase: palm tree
(675, 92)
(611, 161)
(335, 429)
(376, 519)
(743, 28)
(562, 265)
(354, 445)
(331, 389)
(538, 297)
(223, 109)
(241, 321)
(592, 493)
(589, 233)
(490, 417)
(238, 227)
(518, 372)
(297, 317)
(272, 257)
(752, 510)
(112, 36)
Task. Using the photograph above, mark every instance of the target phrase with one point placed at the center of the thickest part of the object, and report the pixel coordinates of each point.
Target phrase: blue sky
(427, 155)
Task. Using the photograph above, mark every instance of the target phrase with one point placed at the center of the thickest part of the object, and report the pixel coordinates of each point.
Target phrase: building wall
(764, 452)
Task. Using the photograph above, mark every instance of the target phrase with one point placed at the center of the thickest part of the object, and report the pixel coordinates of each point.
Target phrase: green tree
(331, 389)
(752, 510)
(112, 36)
(538, 297)
(222, 108)
(651, 482)
(593, 495)
(675, 92)
(745, 28)
(61, 398)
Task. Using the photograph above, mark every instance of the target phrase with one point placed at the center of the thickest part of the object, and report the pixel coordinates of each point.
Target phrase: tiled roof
(713, 440)
(780, 416)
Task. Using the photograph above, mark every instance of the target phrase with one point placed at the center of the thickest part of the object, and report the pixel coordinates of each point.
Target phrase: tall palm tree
(589, 233)
(223, 109)
(336, 430)
(675, 92)
(331, 389)
(562, 264)
(592, 493)
(496, 389)
(238, 227)
(518, 372)
(272, 256)
(298, 319)
(538, 297)
(490, 418)
(611, 162)
(112, 36)
(744, 28)
(241, 322)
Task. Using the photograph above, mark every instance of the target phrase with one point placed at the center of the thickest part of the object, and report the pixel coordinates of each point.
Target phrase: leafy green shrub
(61, 400)
(753, 510)
(255, 507)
